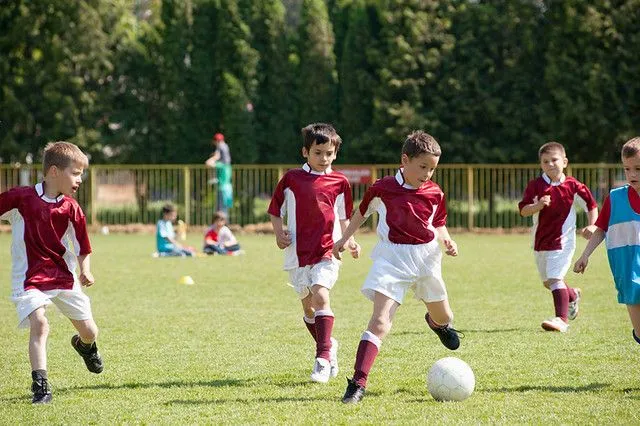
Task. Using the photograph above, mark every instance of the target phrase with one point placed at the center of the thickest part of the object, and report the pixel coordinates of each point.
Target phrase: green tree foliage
(317, 75)
(275, 104)
(54, 56)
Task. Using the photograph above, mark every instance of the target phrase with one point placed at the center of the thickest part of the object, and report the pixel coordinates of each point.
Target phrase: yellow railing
(478, 195)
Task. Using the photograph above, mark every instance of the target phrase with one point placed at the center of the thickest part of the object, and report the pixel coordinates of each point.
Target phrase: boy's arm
(356, 222)
(589, 230)
(283, 236)
(445, 238)
(536, 206)
(595, 240)
(353, 247)
(211, 161)
(86, 277)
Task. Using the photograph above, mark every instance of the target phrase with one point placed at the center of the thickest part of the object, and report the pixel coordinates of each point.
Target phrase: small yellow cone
(186, 280)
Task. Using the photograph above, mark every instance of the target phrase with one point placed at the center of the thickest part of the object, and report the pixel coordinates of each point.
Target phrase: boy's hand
(283, 238)
(338, 246)
(86, 278)
(354, 248)
(581, 265)
(451, 246)
(588, 231)
(543, 201)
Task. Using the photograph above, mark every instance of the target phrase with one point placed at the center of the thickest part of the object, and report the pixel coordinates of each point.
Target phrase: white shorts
(324, 273)
(73, 304)
(399, 267)
(554, 263)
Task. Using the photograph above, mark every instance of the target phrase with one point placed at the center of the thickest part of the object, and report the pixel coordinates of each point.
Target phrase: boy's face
(553, 163)
(66, 181)
(320, 157)
(632, 171)
(171, 216)
(419, 169)
(219, 223)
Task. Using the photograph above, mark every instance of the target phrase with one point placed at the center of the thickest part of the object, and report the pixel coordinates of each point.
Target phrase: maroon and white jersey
(48, 235)
(407, 215)
(314, 204)
(554, 227)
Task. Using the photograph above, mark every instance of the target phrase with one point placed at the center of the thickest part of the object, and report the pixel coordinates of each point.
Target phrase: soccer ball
(450, 379)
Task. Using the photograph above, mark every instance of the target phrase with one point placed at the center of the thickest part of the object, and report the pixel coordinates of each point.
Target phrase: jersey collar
(40, 191)
(307, 168)
(548, 179)
(401, 181)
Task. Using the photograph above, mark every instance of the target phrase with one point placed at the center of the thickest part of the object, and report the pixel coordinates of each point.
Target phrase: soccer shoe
(555, 324)
(447, 334)
(91, 356)
(334, 358)
(354, 392)
(573, 306)
(321, 371)
(41, 391)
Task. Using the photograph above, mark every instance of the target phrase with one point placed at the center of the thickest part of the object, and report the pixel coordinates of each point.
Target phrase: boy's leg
(324, 319)
(39, 330)
(438, 318)
(384, 309)
(309, 316)
(85, 344)
(634, 316)
(561, 305)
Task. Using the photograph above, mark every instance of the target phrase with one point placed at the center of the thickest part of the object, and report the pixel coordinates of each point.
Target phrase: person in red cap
(220, 160)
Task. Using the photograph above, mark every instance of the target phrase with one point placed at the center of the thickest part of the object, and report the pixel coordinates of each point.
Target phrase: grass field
(233, 349)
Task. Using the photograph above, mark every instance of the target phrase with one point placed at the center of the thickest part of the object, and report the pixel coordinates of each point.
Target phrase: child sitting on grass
(166, 242)
(219, 238)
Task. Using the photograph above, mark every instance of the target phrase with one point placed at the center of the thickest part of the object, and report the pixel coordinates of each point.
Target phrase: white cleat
(555, 324)
(334, 358)
(321, 371)
(573, 306)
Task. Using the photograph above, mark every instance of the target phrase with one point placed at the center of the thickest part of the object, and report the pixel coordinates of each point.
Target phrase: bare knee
(380, 326)
(320, 299)
(39, 327)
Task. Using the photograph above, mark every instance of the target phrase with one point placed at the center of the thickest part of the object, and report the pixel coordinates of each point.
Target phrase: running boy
(412, 217)
(618, 222)
(550, 199)
(315, 198)
(49, 241)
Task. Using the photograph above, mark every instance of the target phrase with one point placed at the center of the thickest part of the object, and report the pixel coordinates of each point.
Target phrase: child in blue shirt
(166, 242)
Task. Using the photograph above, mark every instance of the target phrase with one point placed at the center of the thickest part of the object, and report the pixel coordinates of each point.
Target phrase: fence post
(470, 223)
(93, 190)
(187, 195)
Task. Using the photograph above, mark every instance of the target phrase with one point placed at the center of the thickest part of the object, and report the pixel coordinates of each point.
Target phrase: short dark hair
(631, 147)
(551, 146)
(168, 208)
(62, 154)
(220, 215)
(320, 133)
(419, 142)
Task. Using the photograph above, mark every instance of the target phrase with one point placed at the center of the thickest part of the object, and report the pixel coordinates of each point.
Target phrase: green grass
(233, 348)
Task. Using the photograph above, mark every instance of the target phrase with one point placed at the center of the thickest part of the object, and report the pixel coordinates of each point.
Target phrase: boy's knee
(39, 326)
(380, 326)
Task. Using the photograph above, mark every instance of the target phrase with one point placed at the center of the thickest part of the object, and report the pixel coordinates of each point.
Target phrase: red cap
(218, 137)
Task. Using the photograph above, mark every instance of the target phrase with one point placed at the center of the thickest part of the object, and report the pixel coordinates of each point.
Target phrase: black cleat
(354, 392)
(90, 355)
(447, 334)
(41, 390)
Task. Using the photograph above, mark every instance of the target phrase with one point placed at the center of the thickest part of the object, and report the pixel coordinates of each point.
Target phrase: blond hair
(551, 146)
(62, 154)
(631, 147)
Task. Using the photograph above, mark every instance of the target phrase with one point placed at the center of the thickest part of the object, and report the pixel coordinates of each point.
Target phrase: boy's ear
(305, 153)
(404, 159)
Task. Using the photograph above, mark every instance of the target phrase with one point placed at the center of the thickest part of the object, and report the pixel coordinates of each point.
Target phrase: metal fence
(478, 196)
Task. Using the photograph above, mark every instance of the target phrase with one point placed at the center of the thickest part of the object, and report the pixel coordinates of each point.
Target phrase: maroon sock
(367, 352)
(561, 302)
(572, 293)
(312, 330)
(324, 327)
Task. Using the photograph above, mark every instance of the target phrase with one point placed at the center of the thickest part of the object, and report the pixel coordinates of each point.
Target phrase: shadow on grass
(560, 389)
(463, 331)
(170, 384)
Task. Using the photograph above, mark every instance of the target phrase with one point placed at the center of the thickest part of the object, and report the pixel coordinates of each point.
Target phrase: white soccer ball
(450, 379)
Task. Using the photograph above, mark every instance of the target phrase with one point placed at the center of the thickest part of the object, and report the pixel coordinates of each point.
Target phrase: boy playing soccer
(49, 241)
(550, 199)
(619, 223)
(412, 218)
(317, 202)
